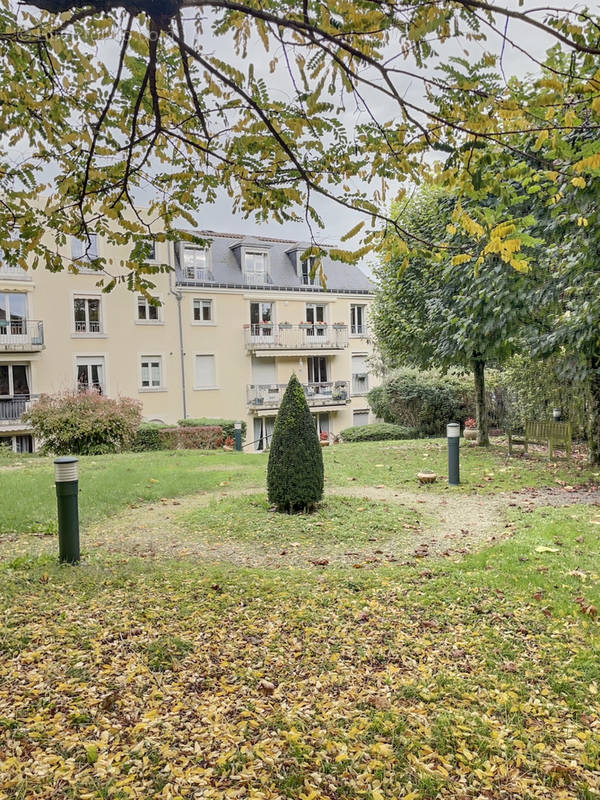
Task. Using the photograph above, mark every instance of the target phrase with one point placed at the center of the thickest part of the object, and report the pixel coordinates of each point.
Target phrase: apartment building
(235, 320)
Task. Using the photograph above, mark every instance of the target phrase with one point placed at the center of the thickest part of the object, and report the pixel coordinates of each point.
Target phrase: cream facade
(235, 321)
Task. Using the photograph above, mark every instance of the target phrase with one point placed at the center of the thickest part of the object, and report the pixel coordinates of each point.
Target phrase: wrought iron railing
(283, 336)
(21, 334)
(13, 408)
(270, 395)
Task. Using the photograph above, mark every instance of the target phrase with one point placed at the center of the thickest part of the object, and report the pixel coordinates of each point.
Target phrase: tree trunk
(481, 415)
(594, 412)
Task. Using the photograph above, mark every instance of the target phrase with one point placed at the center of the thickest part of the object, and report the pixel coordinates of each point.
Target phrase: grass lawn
(111, 483)
(472, 676)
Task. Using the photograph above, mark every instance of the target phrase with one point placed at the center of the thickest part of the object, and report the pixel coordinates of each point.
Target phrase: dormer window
(255, 266)
(195, 262)
(306, 275)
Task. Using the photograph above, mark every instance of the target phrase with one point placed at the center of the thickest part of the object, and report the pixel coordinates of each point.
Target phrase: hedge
(147, 438)
(226, 424)
(201, 437)
(378, 431)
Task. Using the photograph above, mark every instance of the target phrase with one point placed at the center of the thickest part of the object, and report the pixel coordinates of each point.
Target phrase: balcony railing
(13, 408)
(10, 271)
(270, 395)
(92, 326)
(317, 336)
(21, 334)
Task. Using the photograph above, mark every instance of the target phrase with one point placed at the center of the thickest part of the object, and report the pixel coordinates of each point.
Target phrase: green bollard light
(237, 429)
(67, 501)
(453, 433)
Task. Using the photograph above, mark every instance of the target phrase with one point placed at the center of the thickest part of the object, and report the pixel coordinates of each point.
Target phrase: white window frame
(201, 301)
(191, 273)
(354, 328)
(87, 333)
(363, 390)
(215, 383)
(88, 359)
(13, 442)
(253, 276)
(11, 380)
(150, 361)
(307, 280)
(138, 302)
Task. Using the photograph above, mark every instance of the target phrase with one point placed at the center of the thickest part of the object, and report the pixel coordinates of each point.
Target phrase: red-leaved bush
(84, 423)
(205, 437)
(471, 423)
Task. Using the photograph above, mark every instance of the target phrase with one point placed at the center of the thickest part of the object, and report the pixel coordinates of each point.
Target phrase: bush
(422, 400)
(206, 437)
(378, 431)
(84, 423)
(226, 424)
(295, 475)
(147, 437)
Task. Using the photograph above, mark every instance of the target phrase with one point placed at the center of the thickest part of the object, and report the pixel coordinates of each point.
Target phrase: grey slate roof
(226, 271)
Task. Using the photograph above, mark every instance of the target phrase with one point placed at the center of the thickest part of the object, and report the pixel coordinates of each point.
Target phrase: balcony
(13, 408)
(21, 335)
(268, 338)
(268, 397)
(16, 273)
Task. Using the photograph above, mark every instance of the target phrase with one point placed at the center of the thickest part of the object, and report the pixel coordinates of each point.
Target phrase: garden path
(452, 524)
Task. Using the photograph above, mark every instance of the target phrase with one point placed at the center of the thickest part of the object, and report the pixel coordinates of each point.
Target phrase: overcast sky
(219, 217)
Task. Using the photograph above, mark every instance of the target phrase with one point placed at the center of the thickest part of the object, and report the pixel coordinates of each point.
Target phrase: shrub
(84, 423)
(422, 400)
(206, 437)
(147, 437)
(378, 431)
(226, 424)
(295, 476)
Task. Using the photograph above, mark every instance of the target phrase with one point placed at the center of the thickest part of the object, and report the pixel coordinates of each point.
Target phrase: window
(321, 422)
(315, 314)
(147, 312)
(195, 263)
(87, 315)
(22, 443)
(255, 266)
(263, 432)
(14, 381)
(317, 369)
(205, 372)
(261, 319)
(202, 310)
(90, 374)
(358, 320)
(151, 372)
(84, 249)
(307, 267)
(360, 374)
(13, 314)
(360, 417)
(151, 248)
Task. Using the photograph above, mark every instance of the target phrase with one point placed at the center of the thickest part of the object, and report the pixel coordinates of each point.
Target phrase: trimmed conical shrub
(295, 471)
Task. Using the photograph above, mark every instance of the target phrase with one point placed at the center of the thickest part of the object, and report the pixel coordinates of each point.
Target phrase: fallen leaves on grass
(272, 689)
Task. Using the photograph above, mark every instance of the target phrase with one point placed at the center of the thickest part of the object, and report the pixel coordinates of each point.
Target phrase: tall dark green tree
(295, 475)
(436, 309)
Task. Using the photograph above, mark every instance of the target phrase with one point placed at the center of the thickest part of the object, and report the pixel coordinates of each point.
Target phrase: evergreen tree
(295, 472)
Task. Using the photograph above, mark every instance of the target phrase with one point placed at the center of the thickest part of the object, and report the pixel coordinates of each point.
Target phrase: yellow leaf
(579, 183)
